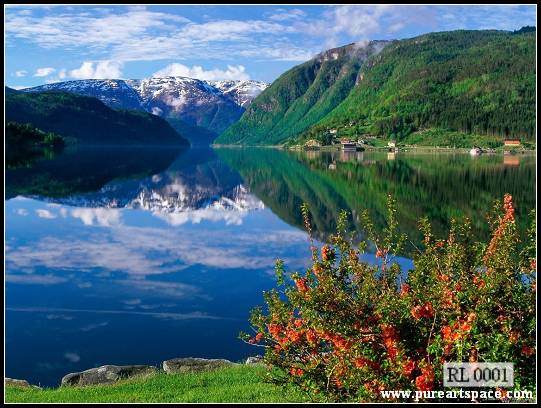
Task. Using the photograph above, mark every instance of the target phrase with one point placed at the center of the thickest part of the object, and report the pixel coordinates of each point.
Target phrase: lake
(134, 256)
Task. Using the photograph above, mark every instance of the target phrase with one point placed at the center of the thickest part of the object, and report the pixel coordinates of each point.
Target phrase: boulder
(191, 364)
(254, 360)
(106, 374)
(18, 383)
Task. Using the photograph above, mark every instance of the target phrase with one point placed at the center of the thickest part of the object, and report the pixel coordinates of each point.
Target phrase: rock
(191, 364)
(106, 374)
(254, 360)
(18, 383)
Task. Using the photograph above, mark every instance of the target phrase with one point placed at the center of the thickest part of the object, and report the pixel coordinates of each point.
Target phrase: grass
(448, 138)
(231, 384)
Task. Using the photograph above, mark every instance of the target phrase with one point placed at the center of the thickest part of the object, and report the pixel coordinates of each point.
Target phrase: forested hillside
(481, 83)
(301, 96)
(87, 120)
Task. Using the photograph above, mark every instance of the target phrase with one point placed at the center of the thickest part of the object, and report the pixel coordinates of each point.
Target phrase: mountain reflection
(177, 186)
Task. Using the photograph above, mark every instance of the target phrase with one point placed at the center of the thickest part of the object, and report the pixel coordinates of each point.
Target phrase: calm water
(136, 256)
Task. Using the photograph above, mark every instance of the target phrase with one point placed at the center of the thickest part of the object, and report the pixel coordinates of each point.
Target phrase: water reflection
(136, 256)
(440, 186)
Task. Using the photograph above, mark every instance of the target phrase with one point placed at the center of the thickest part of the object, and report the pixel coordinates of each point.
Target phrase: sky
(45, 44)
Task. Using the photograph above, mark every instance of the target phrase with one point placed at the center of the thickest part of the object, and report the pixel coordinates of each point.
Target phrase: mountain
(10, 91)
(240, 92)
(477, 83)
(301, 96)
(89, 121)
(115, 93)
(195, 102)
(205, 108)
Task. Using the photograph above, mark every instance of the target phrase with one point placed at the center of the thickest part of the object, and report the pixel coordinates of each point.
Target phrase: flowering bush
(345, 330)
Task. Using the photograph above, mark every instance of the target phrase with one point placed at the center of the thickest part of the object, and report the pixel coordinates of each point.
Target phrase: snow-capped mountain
(115, 93)
(241, 92)
(213, 105)
(195, 102)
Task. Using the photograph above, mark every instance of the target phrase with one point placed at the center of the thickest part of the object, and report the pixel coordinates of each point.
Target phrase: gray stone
(254, 360)
(106, 374)
(191, 364)
(18, 383)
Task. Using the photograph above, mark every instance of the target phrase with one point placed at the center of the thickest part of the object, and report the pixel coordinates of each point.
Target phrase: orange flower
(425, 382)
(479, 282)
(509, 217)
(425, 310)
(327, 253)
(298, 372)
(275, 330)
(301, 284)
(443, 277)
(317, 269)
(408, 367)
(404, 289)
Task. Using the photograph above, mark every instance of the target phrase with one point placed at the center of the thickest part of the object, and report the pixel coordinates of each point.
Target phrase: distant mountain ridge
(206, 108)
(88, 121)
(478, 82)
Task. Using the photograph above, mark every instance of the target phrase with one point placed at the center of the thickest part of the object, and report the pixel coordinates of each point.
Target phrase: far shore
(401, 149)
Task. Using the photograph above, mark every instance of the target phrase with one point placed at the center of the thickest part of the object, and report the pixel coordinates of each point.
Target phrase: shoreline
(405, 149)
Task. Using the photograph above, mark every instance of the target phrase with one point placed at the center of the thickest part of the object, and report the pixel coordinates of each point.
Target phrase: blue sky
(57, 43)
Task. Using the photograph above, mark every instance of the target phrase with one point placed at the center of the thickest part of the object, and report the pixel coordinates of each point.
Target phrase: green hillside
(88, 121)
(300, 97)
(475, 82)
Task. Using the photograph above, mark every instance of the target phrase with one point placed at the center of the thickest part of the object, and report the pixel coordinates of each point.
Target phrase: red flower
(327, 253)
(311, 336)
(408, 368)
(256, 339)
(527, 351)
(479, 282)
(317, 269)
(425, 310)
(301, 284)
(296, 371)
(425, 382)
(404, 289)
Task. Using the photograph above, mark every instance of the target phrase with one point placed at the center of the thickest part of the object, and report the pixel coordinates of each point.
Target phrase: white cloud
(21, 73)
(287, 14)
(142, 35)
(45, 214)
(43, 72)
(104, 217)
(31, 279)
(74, 28)
(96, 70)
(237, 72)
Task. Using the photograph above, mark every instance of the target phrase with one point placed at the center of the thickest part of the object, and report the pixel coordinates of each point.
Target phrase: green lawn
(231, 384)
